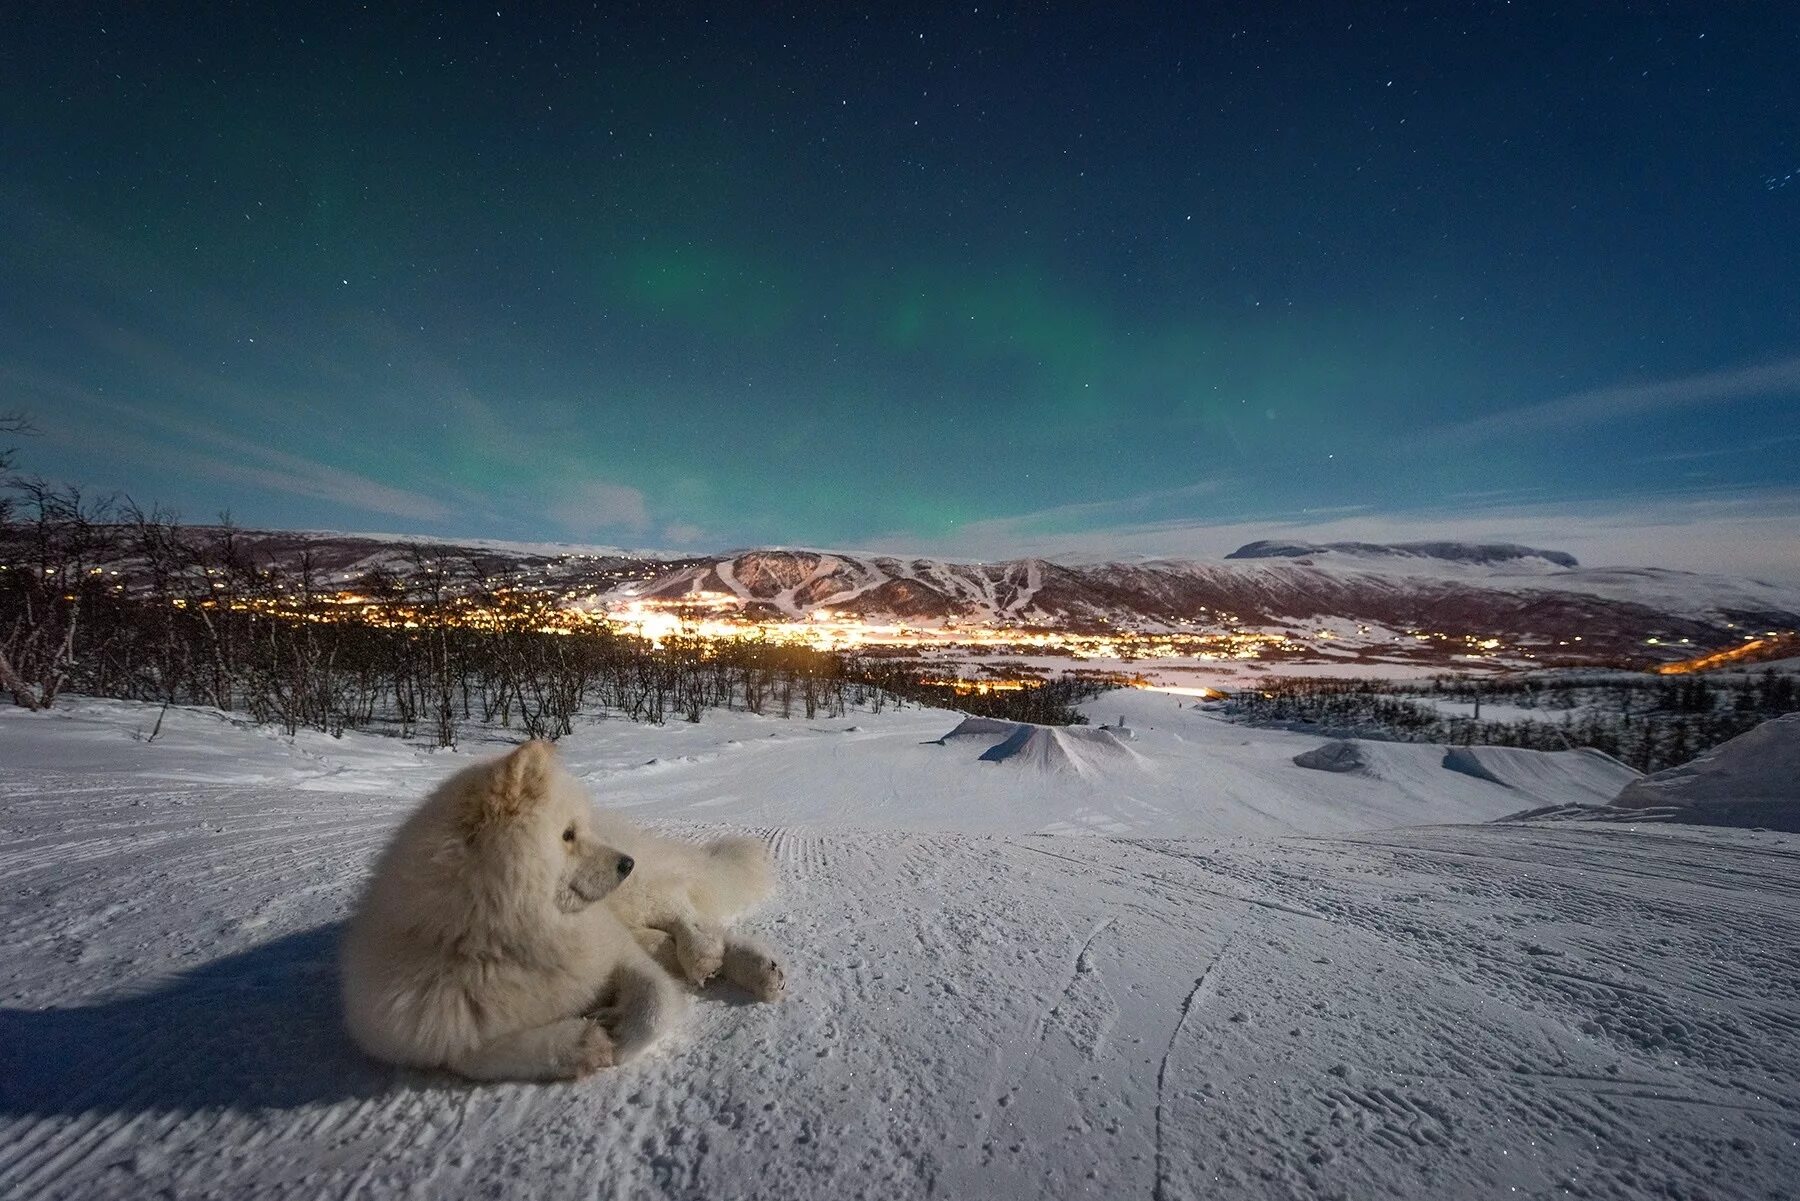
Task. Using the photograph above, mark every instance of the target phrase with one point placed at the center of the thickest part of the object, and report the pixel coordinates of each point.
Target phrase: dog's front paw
(756, 972)
(701, 957)
(771, 981)
(593, 1050)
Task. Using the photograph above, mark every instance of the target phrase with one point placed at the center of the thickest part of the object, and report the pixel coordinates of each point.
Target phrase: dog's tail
(740, 873)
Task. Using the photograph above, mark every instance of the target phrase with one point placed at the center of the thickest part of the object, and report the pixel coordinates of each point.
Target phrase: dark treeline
(1648, 721)
(1051, 703)
(105, 599)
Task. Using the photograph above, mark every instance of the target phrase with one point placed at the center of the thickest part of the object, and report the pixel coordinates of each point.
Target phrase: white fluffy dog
(512, 932)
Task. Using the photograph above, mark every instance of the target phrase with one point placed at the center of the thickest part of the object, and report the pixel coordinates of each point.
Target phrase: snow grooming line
(1077, 750)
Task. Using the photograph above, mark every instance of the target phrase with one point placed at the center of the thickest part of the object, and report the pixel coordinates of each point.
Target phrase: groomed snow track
(1444, 1012)
(1587, 1009)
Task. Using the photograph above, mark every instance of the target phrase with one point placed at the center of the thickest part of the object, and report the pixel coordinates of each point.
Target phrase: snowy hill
(1164, 960)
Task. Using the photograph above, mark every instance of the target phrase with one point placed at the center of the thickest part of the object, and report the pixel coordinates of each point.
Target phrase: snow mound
(1579, 776)
(1576, 775)
(1753, 780)
(1077, 750)
(1469, 762)
(1343, 755)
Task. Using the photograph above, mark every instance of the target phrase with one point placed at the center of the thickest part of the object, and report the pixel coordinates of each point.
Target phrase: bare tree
(56, 539)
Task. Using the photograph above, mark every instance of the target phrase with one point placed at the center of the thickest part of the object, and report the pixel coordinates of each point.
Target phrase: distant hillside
(1483, 553)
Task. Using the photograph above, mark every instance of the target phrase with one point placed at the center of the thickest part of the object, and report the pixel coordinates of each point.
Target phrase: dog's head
(528, 826)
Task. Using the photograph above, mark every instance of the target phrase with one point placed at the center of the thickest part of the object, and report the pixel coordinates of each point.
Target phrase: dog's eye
(569, 834)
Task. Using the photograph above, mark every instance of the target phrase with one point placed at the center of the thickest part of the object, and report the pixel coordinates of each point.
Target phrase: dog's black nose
(626, 863)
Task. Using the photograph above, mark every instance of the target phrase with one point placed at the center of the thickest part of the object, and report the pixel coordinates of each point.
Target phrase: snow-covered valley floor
(1184, 969)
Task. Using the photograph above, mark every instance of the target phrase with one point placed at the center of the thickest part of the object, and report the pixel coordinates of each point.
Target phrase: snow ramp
(1752, 780)
(1071, 750)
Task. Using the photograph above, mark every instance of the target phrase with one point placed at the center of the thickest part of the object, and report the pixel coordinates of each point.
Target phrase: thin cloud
(596, 505)
(1024, 529)
(231, 458)
(1602, 405)
(684, 533)
(1736, 450)
(319, 481)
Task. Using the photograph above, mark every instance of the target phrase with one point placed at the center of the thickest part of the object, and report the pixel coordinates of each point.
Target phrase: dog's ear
(515, 783)
(523, 776)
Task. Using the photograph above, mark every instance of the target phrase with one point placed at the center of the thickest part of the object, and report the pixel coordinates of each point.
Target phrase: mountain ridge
(1480, 553)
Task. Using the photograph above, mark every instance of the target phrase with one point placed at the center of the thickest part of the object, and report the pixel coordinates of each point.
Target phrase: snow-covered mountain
(1514, 593)
(1521, 595)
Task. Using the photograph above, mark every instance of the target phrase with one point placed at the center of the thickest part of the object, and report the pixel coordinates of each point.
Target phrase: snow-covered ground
(1175, 964)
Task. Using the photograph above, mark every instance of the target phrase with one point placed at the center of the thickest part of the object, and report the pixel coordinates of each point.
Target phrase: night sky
(1085, 279)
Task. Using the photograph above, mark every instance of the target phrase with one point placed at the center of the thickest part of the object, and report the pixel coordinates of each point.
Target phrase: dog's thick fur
(504, 933)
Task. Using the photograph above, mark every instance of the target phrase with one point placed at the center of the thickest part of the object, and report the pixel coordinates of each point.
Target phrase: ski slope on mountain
(1184, 966)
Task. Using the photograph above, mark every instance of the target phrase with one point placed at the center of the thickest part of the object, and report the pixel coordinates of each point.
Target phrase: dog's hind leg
(749, 965)
(559, 1051)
